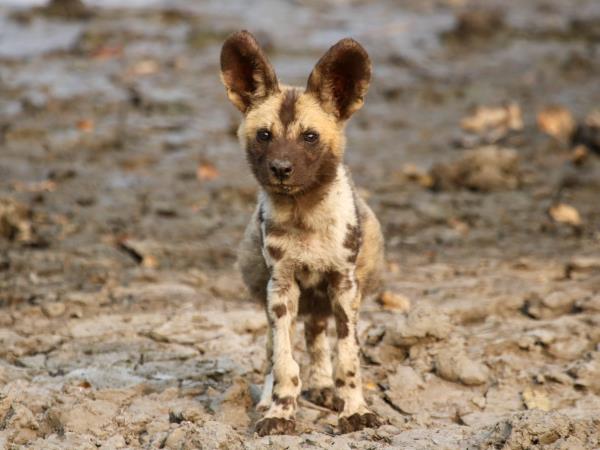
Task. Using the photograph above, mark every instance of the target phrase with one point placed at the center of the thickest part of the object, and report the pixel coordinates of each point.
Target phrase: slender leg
(265, 398)
(320, 388)
(346, 301)
(282, 305)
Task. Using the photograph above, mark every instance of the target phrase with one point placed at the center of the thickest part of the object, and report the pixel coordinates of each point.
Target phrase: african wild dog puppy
(313, 247)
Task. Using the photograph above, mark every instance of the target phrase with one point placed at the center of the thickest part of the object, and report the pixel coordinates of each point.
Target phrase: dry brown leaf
(485, 118)
(145, 67)
(86, 125)
(413, 173)
(107, 52)
(393, 301)
(206, 172)
(556, 121)
(579, 155)
(563, 213)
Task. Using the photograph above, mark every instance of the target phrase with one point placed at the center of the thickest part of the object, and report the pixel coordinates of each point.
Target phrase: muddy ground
(123, 195)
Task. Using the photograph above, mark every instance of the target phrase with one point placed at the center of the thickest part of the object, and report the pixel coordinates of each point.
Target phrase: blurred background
(124, 194)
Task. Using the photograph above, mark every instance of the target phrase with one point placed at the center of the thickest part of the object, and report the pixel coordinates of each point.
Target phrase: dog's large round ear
(340, 79)
(246, 71)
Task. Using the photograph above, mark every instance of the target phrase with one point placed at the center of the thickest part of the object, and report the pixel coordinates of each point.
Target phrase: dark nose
(281, 169)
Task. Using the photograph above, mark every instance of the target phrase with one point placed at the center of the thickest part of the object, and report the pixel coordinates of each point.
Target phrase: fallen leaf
(563, 213)
(145, 67)
(556, 121)
(392, 301)
(413, 173)
(86, 125)
(206, 172)
(579, 155)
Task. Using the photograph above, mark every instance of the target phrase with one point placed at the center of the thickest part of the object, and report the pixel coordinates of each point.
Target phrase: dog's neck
(313, 210)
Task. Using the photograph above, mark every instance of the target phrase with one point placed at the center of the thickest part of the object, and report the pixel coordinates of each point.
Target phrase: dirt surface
(123, 195)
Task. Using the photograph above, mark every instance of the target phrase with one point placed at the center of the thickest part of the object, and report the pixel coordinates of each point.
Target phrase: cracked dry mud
(123, 195)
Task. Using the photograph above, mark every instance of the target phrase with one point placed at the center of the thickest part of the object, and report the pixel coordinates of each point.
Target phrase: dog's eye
(263, 135)
(311, 137)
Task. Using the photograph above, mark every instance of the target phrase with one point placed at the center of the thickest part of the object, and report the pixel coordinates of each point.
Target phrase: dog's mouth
(284, 189)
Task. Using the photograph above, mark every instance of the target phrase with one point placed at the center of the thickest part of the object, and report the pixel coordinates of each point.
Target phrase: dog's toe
(275, 425)
(358, 421)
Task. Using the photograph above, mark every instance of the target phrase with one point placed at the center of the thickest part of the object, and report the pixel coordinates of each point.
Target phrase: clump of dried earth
(123, 195)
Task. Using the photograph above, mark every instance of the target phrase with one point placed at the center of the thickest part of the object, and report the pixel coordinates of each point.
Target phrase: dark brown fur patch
(287, 110)
(339, 281)
(314, 327)
(275, 425)
(279, 310)
(275, 252)
(352, 385)
(350, 374)
(272, 229)
(352, 242)
(285, 401)
(341, 321)
(295, 381)
(339, 382)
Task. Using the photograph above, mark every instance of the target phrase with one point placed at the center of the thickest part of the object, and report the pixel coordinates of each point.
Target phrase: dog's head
(294, 138)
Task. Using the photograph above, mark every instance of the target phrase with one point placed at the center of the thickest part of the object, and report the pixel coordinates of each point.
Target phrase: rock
(582, 265)
(536, 399)
(15, 221)
(403, 387)
(486, 118)
(89, 416)
(554, 304)
(588, 133)
(587, 373)
(569, 348)
(473, 24)
(232, 407)
(423, 323)
(21, 422)
(536, 429)
(106, 377)
(114, 442)
(212, 435)
(453, 364)
(66, 10)
(484, 169)
(54, 309)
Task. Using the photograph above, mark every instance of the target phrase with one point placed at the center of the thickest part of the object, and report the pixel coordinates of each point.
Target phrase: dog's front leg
(345, 297)
(282, 307)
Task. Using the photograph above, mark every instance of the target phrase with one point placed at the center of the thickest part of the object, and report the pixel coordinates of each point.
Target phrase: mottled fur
(313, 246)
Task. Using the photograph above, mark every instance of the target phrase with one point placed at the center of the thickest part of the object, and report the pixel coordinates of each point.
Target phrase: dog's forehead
(289, 112)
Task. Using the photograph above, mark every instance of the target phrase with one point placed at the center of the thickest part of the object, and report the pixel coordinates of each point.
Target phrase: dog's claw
(275, 425)
(358, 421)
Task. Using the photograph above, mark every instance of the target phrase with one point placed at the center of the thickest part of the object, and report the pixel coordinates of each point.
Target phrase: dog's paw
(324, 397)
(358, 421)
(275, 425)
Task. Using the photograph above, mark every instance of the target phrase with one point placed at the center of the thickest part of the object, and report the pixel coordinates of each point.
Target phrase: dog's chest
(313, 250)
